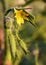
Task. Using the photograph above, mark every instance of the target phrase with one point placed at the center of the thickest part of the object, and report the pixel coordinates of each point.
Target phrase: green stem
(3, 4)
(36, 55)
(36, 59)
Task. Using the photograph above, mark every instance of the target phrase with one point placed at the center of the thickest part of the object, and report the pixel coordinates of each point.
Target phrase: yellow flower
(20, 16)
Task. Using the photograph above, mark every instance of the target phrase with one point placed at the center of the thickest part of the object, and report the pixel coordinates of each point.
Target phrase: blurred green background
(35, 38)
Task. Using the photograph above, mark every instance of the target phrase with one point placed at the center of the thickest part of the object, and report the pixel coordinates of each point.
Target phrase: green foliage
(13, 41)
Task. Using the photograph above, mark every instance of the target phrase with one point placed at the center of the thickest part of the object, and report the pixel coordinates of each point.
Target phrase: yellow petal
(18, 16)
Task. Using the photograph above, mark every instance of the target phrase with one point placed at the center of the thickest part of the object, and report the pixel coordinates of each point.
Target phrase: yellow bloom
(20, 15)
